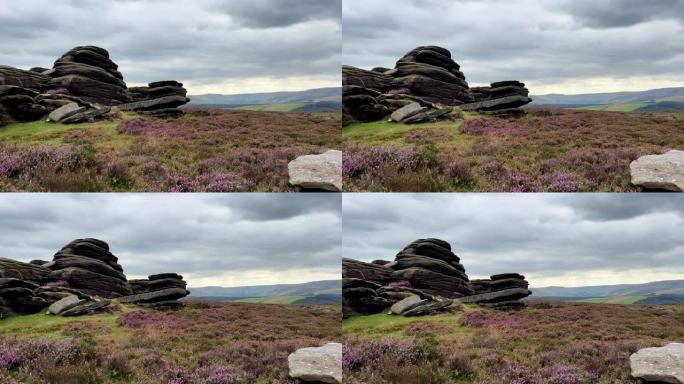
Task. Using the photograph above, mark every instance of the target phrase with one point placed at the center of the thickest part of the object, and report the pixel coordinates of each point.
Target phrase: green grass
(386, 326)
(384, 132)
(625, 107)
(613, 300)
(284, 107)
(271, 299)
(42, 325)
(44, 133)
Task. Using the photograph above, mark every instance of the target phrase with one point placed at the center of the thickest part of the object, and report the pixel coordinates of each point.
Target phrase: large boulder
(65, 111)
(365, 271)
(405, 112)
(317, 172)
(155, 296)
(89, 73)
(365, 79)
(19, 104)
(664, 172)
(24, 271)
(160, 98)
(24, 79)
(64, 304)
(659, 364)
(317, 364)
(19, 297)
(497, 296)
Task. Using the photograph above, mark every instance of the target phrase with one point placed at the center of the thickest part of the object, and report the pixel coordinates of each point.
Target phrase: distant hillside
(305, 289)
(650, 96)
(306, 97)
(653, 288)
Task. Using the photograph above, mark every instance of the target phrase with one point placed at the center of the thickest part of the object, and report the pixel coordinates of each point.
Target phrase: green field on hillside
(271, 299)
(284, 107)
(627, 107)
(613, 300)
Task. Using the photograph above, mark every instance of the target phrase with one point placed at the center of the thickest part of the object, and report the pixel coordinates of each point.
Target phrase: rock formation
(81, 279)
(426, 277)
(87, 77)
(88, 266)
(317, 172)
(502, 98)
(502, 291)
(89, 73)
(660, 172)
(317, 364)
(161, 98)
(660, 364)
(160, 291)
(430, 77)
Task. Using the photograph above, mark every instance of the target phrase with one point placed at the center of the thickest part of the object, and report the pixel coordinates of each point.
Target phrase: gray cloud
(624, 13)
(552, 45)
(280, 13)
(223, 44)
(202, 236)
(547, 237)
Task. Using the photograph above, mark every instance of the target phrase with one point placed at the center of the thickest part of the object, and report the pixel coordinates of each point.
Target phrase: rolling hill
(654, 100)
(312, 288)
(332, 96)
(657, 292)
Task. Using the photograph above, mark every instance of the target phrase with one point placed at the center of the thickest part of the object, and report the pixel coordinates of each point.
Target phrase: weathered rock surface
(365, 271)
(659, 364)
(365, 79)
(161, 99)
(497, 296)
(19, 104)
(360, 105)
(405, 112)
(407, 304)
(317, 364)
(89, 73)
(65, 304)
(65, 111)
(155, 296)
(317, 172)
(24, 79)
(24, 271)
(663, 172)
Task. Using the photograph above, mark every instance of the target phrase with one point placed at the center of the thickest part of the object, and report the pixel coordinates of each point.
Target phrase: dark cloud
(228, 46)
(280, 13)
(206, 237)
(624, 13)
(554, 46)
(547, 237)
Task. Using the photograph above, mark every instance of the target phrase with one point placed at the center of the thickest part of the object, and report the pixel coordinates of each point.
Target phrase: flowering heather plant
(557, 343)
(203, 151)
(546, 151)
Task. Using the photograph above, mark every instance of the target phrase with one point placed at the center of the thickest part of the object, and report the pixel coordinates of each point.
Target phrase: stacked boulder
(160, 291)
(82, 86)
(431, 74)
(427, 76)
(81, 279)
(426, 277)
(88, 266)
(503, 99)
(430, 266)
(161, 98)
(89, 73)
(503, 291)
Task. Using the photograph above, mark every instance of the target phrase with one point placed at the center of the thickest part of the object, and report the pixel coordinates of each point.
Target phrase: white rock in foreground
(664, 171)
(661, 364)
(321, 364)
(317, 171)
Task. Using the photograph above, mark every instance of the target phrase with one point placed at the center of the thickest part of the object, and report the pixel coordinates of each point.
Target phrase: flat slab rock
(664, 171)
(323, 172)
(317, 364)
(660, 364)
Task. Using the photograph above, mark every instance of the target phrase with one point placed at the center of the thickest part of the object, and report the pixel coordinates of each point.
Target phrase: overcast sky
(553, 239)
(554, 46)
(211, 239)
(212, 46)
